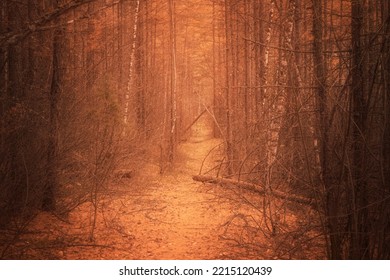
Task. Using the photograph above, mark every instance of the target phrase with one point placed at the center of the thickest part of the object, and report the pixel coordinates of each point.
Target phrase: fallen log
(252, 187)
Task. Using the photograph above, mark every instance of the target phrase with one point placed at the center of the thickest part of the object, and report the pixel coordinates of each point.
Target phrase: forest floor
(170, 216)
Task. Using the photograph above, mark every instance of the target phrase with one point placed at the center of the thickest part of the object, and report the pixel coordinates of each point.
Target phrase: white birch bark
(131, 68)
(267, 43)
(278, 108)
(173, 79)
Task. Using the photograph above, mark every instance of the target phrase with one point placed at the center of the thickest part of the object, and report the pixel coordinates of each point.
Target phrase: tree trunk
(131, 67)
(331, 199)
(173, 115)
(48, 200)
(229, 132)
(359, 235)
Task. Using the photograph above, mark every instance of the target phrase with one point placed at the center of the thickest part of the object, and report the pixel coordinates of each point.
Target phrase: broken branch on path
(253, 188)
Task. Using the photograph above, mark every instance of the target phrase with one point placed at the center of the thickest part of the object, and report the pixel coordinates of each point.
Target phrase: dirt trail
(150, 216)
(183, 218)
(175, 217)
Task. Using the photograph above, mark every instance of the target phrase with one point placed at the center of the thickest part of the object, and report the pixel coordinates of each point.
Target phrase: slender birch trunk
(173, 111)
(229, 133)
(131, 67)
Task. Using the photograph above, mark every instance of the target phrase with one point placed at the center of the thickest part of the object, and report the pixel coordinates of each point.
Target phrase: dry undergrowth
(152, 216)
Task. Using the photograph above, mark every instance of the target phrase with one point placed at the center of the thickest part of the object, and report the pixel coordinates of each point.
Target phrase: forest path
(181, 218)
(174, 217)
(149, 216)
